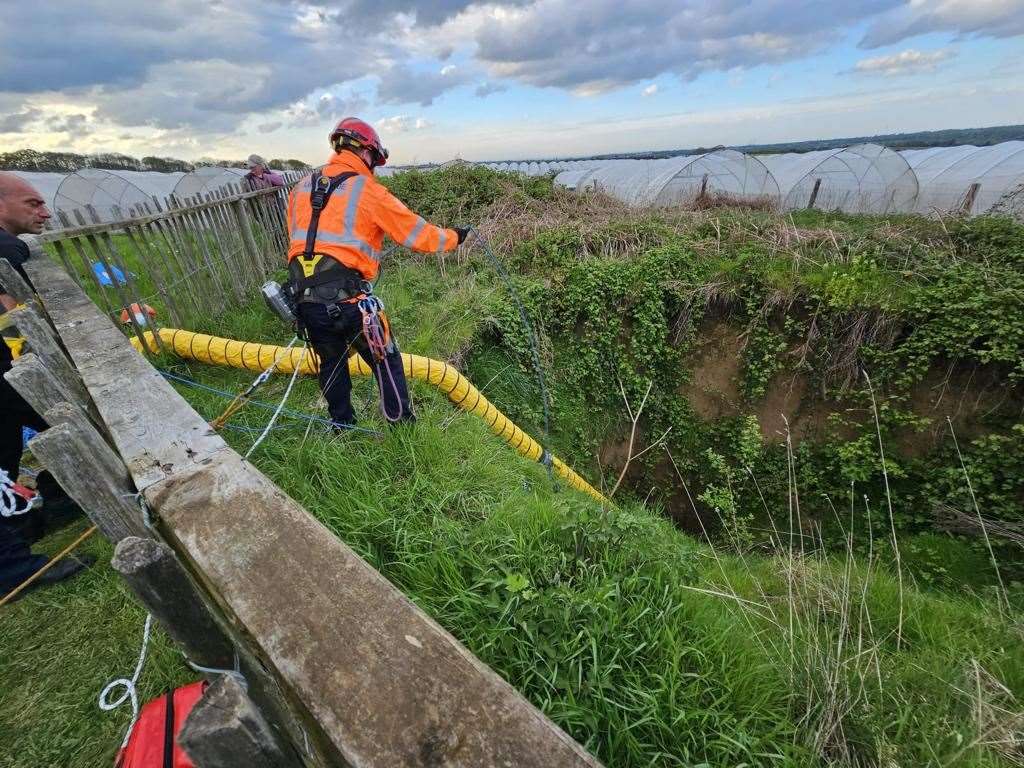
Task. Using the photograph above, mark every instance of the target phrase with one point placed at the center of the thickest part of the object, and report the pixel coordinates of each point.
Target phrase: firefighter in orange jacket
(337, 219)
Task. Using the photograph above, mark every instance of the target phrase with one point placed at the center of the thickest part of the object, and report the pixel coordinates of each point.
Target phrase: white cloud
(402, 124)
(992, 18)
(908, 62)
(650, 90)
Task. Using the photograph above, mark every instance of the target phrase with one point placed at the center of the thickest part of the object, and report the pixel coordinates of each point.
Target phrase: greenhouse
(968, 179)
(679, 180)
(108, 194)
(864, 178)
(207, 180)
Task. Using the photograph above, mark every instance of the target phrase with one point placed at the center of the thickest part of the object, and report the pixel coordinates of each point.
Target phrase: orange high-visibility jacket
(356, 218)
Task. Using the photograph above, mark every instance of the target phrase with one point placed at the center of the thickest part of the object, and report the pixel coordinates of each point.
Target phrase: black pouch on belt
(325, 280)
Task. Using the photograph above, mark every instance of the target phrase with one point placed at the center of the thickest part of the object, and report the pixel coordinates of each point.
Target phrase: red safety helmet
(353, 132)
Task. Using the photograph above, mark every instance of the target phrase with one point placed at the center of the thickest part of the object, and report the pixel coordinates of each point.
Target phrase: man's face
(22, 210)
(257, 170)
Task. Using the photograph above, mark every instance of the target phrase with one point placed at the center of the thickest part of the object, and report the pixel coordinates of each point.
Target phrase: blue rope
(269, 406)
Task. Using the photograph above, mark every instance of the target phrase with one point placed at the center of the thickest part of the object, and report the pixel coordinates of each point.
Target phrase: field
(806, 565)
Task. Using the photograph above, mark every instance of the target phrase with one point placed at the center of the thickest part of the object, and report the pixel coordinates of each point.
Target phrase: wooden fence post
(814, 193)
(225, 729)
(161, 584)
(969, 198)
(242, 217)
(14, 284)
(38, 386)
(71, 453)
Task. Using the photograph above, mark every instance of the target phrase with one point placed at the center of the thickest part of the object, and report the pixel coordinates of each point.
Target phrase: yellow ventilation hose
(258, 357)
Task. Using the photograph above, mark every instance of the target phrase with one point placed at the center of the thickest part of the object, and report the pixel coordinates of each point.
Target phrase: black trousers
(331, 339)
(17, 562)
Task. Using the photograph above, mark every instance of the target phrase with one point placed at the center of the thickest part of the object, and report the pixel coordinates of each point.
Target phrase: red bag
(152, 743)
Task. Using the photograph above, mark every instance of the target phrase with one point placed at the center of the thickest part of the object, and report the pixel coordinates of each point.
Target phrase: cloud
(908, 62)
(17, 122)
(401, 85)
(487, 88)
(551, 43)
(423, 13)
(991, 18)
(76, 124)
(181, 63)
(402, 124)
(650, 90)
(269, 127)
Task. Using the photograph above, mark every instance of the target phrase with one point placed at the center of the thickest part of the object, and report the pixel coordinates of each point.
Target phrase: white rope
(9, 497)
(128, 685)
(280, 407)
(236, 673)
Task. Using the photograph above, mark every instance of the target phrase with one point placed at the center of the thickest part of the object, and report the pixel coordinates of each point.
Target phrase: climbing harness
(377, 334)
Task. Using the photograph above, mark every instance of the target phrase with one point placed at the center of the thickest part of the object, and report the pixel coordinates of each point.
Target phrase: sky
(503, 80)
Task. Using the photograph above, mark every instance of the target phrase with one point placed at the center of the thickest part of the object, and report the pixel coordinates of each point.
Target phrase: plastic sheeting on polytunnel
(864, 178)
(681, 180)
(111, 196)
(948, 175)
(572, 179)
(207, 180)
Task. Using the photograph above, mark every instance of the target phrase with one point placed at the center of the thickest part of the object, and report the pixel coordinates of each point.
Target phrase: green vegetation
(802, 646)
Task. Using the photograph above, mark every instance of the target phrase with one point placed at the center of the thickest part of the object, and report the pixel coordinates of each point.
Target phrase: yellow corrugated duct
(459, 389)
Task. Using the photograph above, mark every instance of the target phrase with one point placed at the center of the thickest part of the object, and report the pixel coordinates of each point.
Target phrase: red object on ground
(152, 744)
(140, 311)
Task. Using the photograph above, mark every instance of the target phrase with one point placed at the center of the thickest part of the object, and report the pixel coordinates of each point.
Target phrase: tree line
(69, 162)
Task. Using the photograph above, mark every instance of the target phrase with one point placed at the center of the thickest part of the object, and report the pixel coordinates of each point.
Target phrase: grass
(646, 645)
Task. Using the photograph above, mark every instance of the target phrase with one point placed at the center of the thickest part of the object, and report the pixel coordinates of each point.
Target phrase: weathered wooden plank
(161, 584)
(38, 386)
(244, 227)
(154, 428)
(386, 684)
(65, 259)
(41, 341)
(13, 283)
(224, 730)
(70, 453)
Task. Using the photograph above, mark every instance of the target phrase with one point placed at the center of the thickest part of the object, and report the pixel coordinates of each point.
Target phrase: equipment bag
(152, 741)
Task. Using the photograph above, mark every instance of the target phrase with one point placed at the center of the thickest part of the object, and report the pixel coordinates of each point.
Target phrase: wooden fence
(191, 258)
(335, 667)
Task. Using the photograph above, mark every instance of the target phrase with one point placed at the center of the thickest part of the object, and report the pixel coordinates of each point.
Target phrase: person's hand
(462, 232)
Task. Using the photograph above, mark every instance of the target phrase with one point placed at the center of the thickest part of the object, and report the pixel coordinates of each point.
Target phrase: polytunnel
(207, 180)
(864, 178)
(680, 180)
(111, 196)
(571, 179)
(969, 179)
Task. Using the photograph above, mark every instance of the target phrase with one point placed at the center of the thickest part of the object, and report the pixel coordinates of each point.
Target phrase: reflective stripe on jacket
(356, 218)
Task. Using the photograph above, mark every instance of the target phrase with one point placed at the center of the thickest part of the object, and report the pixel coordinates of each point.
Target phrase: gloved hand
(462, 232)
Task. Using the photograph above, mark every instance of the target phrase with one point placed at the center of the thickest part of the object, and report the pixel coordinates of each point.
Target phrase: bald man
(23, 211)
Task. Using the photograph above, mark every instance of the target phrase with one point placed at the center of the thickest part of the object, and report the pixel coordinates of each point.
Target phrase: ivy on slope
(823, 296)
